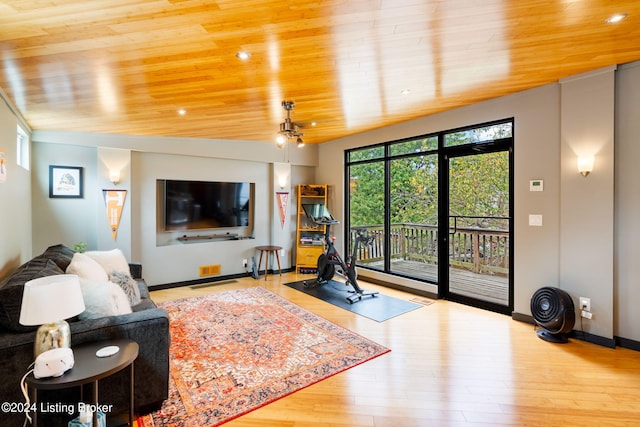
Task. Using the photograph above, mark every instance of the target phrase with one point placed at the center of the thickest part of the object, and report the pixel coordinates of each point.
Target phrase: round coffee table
(89, 368)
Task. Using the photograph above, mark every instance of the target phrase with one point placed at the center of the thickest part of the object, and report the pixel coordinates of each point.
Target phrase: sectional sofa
(145, 323)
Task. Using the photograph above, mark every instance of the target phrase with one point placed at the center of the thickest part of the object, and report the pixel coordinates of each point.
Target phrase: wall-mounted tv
(200, 205)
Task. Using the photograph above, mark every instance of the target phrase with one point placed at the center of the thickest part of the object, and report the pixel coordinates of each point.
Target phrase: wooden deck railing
(481, 250)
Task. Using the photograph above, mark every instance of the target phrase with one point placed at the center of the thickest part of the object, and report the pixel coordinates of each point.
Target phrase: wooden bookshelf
(309, 238)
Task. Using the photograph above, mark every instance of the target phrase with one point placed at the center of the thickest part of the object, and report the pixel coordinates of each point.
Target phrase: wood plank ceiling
(129, 66)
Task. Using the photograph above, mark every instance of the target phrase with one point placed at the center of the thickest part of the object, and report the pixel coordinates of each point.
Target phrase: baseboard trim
(585, 336)
(522, 318)
(627, 343)
(210, 280)
(594, 339)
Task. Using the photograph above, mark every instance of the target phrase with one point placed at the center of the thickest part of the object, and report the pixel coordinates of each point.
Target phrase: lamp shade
(585, 165)
(50, 299)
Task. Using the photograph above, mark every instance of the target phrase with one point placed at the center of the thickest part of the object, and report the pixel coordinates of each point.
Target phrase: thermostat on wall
(536, 185)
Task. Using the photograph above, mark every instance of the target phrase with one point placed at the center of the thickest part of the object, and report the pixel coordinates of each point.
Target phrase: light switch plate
(535, 220)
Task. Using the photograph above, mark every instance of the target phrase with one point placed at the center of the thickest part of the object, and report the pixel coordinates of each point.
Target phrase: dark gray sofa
(147, 325)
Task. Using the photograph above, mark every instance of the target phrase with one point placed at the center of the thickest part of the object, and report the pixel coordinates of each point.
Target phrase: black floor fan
(553, 311)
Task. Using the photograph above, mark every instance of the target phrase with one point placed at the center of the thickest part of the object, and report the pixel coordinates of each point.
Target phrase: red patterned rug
(235, 351)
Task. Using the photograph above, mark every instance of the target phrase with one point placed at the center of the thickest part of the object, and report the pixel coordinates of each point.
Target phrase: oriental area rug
(235, 351)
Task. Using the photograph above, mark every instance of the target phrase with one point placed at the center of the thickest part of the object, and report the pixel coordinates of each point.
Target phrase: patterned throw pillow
(128, 285)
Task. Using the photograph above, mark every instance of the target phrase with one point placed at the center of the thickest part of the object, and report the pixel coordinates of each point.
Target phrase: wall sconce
(114, 176)
(282, 181)
(281, 176)
(585, 165)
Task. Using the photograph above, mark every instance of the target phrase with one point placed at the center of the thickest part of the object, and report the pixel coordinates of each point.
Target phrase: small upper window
(367, 153)
(22, 148)
(417, 145)
(479, 135)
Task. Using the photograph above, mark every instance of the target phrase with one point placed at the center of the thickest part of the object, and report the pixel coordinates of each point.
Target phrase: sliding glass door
(440, 208)
(479, 220)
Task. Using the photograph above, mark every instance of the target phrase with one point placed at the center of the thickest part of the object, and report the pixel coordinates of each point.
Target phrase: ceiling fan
(288, 129)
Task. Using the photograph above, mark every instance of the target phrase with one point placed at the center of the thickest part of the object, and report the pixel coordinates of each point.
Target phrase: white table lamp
(48, 301)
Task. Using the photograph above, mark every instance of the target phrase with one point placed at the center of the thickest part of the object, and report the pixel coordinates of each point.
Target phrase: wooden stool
(268, 250)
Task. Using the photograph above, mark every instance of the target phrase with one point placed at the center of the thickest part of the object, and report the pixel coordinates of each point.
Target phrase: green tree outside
(479, 184)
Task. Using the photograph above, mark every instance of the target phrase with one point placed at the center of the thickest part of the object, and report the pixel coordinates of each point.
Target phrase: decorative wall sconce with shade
(114, 176)
(282, 174)
(585, 165)
(48, 301)
(282, 181)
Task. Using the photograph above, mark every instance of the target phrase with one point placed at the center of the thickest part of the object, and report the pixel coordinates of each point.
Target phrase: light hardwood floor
(452, 365)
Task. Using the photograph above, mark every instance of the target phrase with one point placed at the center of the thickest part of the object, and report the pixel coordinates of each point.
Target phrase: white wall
(70, 221)
(627, 203)
(143, 160)
(586, 203)
(66, 221)
(180, 262)
(15, 198)
(116, 159)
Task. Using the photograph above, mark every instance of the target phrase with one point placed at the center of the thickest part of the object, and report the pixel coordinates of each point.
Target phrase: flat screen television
(200, 205)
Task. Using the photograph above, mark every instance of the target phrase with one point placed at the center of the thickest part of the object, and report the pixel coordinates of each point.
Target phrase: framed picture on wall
(65, 182)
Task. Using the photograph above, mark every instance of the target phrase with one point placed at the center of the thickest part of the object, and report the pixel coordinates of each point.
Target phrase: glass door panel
(413, 213)
(366, 211)
(479, 224)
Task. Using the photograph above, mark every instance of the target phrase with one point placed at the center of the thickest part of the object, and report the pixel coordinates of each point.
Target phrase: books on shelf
(308, 240)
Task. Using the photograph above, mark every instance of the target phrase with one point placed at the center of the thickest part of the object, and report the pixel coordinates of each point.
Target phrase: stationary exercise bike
(330, 261)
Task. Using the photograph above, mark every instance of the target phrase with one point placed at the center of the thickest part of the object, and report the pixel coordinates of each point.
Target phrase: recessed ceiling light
(242, 55)
(182, 111)
(616, 18)
(314, 123)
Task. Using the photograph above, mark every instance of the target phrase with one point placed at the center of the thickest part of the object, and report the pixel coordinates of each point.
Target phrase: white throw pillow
(113, 260)
(102, 299)
(86, 268)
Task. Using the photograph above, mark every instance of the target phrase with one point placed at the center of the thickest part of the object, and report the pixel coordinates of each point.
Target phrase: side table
(268, 250)
(89, 368)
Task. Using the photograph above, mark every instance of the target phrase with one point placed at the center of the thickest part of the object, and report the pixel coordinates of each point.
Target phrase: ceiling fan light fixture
(288, 129)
